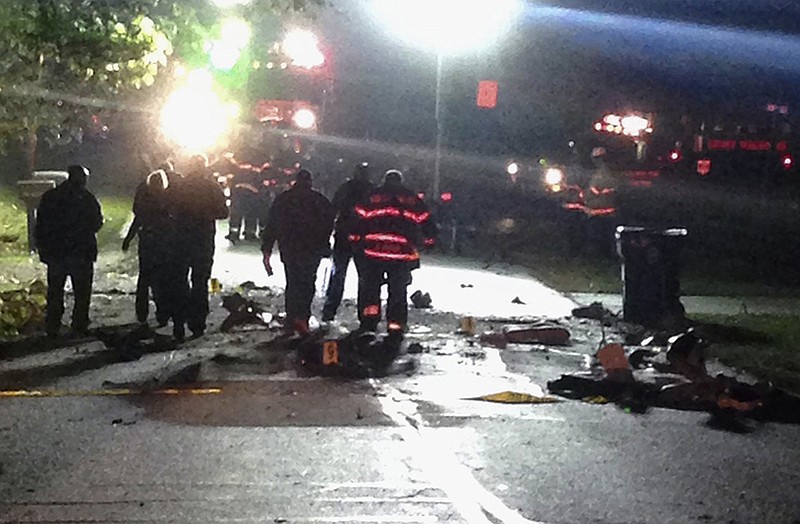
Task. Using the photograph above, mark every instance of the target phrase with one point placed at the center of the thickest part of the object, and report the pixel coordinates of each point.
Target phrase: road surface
(262, 442)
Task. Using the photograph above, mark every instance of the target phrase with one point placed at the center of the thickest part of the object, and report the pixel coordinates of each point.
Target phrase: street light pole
(437, 165)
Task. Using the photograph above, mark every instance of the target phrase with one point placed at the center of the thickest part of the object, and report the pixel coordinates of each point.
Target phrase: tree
(62, 61)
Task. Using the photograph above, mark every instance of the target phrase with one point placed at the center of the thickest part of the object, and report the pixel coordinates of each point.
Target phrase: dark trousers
(81, 273)
(333, 297)
(371, 275)
(152, 277)
(301, 276)
(193, 271)
(245, 211)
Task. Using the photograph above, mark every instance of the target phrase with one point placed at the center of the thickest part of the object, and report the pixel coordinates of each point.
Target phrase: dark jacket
(196, 202)
(67, 222)
(153, 223)
(301, 221)
(394, 224)
(344, 203)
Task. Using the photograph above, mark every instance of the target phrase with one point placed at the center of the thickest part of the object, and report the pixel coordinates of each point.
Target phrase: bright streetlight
(448, 27)
(302, 46)
(194, 117)
(234, 35)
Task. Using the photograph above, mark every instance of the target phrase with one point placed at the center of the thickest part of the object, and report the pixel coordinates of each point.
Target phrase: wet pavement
(707, 305)
(258, 440)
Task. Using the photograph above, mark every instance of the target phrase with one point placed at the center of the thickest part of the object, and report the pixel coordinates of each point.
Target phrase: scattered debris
(121, 422)
(243, 312)
(415, 348)
(594, 311)
(421, 300)
(467, 326)
(547, 334)
(513, 397)
(463, 286)
(495, 339)
(517, 300)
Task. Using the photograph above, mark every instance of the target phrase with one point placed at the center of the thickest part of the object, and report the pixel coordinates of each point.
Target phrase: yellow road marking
(21, 393)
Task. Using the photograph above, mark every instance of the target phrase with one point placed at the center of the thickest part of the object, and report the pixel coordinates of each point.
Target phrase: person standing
(197, 202)
(344, 203)
(300, 220)
(394, 224)
(68, 219)
(156, 230)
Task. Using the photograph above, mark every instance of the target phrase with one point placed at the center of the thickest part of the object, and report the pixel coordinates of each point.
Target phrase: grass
(766, 346)
(16, 266)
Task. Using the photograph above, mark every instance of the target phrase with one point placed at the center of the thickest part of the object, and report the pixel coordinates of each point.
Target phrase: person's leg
(397, 305)
(198, 296)
(306, 287)
(82, 276)
(178, 286)
(143, 284)
(235, 221)
(370, 279)
(56, 278)
(333, 296)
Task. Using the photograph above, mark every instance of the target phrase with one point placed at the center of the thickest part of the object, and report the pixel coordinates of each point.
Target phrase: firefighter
(601, 204)
(393, 225)
(68, 219)
(300, 220)
(197, 203)
(245, 202)
(344, 202)
(156, 230)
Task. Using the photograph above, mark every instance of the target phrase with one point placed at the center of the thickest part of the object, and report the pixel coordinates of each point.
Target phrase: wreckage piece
(594, 311)
(356, 356)
(242, 312)
(548, 334)
(421, 300)
(685, 355)
(515, 397)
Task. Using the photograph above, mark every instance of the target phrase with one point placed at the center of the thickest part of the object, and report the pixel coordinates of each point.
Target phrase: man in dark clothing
(301, 221)
(344, 203)
(156, 230)
(67, 223)
(197, 203)
(394, 224)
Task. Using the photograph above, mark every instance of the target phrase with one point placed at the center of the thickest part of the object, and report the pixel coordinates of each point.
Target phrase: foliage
(22, 310)
(63, 61)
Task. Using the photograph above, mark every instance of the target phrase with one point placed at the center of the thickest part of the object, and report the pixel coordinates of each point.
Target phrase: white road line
(469, 497)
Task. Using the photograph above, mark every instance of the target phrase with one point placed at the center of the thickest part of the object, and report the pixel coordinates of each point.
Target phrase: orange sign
(487, 94)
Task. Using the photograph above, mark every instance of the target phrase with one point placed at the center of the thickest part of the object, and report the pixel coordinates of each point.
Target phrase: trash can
(650, 274)
(31, 191)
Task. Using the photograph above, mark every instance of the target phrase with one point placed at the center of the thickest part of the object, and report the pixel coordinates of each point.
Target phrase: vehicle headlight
(553, 176)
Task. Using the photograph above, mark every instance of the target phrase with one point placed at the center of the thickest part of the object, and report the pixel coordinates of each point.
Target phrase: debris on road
(243, 312)
(677, 379)
(421, 300)
(594, 311)
(518, 300)
(467, 326)
(546, 333)
(494, 339)
(513, 397)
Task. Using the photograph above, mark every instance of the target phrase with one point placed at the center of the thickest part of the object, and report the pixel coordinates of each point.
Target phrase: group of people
(382, 229)
(175, 220)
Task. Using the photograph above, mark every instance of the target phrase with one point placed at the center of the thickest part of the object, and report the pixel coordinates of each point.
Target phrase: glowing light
(787, 162)
(194, 117)
(633, 125)
(553, 176)
(447, 197)
(512, 168)
(235, 32)
(302, 47)
(448, 26)
(224, 56)
(304, 119)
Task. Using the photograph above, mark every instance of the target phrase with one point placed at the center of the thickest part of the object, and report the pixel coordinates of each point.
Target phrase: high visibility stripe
(604, 191)
(372, 310)
(430, 241)
(601, 211)
(354, 238)
(387, 237)
(381, 255)
(419, 218)
(394, 326)
(575, 206)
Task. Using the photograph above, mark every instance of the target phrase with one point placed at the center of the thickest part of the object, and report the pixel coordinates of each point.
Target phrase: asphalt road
(265, 443)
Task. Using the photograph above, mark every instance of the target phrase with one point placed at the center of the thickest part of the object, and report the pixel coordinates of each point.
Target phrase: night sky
(562, 65)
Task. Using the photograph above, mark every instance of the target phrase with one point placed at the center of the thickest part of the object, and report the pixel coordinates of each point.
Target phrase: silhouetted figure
(67, 223)
(344, 204)
(197, 202)
(156, 230)
(394, 224)
(300, 220)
